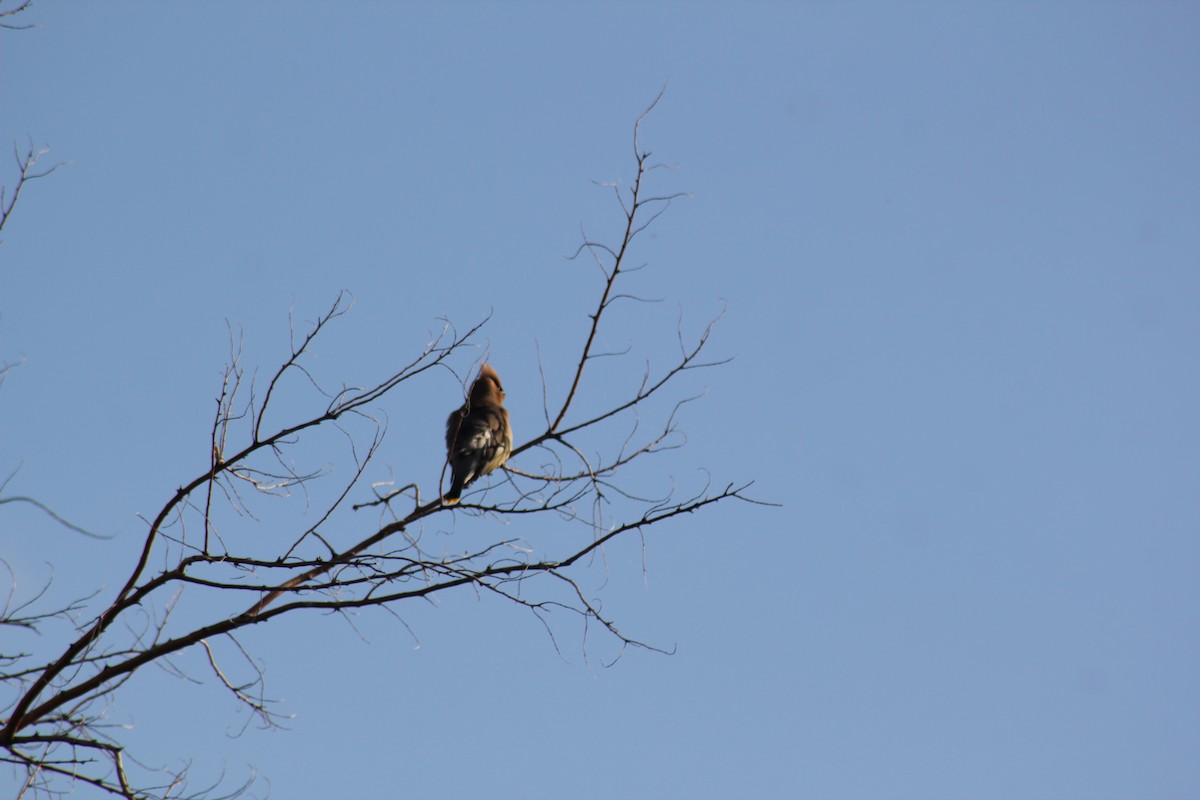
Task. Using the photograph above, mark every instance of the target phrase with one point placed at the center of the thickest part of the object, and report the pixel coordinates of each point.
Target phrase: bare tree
(577, 472)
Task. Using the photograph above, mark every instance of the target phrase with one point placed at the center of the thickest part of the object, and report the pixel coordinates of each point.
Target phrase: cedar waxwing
(478, 436)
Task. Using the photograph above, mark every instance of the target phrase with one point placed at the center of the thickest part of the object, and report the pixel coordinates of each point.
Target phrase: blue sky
(959, 252)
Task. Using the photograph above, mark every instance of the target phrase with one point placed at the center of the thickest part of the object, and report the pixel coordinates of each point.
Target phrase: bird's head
(487, 387)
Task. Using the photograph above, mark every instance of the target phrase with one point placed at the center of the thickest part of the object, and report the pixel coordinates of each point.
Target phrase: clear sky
(959, 244)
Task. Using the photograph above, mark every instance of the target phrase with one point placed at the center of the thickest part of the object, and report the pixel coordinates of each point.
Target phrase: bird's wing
(484, 438)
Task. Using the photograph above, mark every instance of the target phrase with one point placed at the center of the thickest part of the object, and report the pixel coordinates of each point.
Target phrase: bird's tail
(456, 488)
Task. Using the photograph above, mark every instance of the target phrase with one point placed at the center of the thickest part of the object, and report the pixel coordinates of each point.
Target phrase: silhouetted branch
(7, 14)
(27, 160)
(203, 538)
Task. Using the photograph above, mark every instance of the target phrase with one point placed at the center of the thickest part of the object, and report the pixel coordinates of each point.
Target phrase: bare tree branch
(7, 14)
(582, 485)
(27, 159)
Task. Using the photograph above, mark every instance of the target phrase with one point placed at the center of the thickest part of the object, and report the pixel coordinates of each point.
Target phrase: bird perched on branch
(478, 436)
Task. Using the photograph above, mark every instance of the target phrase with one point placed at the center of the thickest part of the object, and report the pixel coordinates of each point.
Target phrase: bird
(478, 435)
